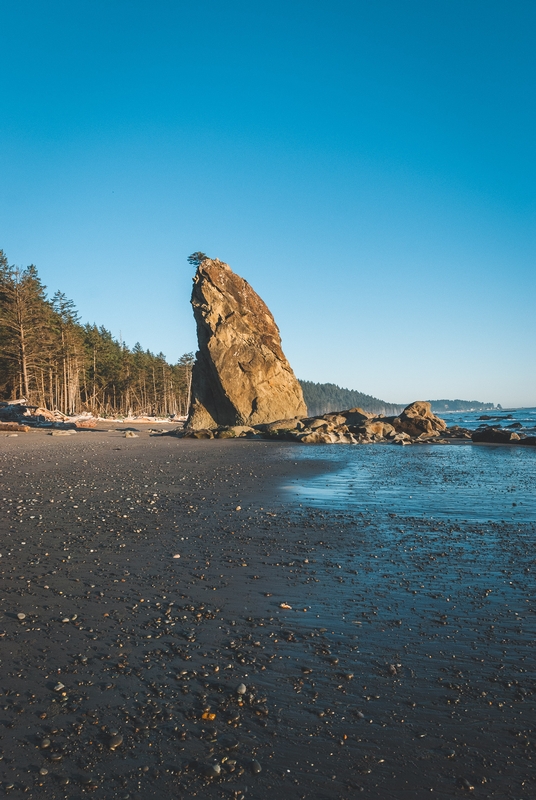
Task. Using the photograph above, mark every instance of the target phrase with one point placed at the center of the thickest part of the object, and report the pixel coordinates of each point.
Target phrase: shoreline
(355, 694)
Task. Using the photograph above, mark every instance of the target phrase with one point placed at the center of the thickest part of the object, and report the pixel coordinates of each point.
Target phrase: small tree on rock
(196, 258)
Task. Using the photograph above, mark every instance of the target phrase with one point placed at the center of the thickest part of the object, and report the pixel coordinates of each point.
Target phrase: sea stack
(241, 375)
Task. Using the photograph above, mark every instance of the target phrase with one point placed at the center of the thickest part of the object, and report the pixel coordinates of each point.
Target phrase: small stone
(211, 770)
(59, 686)
(229, 743)
(467, 785)
(255, 767)
(43, 771)
(115, 741)
(45, 743)
(241, 688)
(238, 508)
(21, 616)
(131, 435)
(176, 555)
(66, 619)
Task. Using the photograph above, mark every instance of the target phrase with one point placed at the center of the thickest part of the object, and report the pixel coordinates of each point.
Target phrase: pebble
(115, 741)
(241, 688)
(176, 555)
(255, 767)
(211, 770)
(467, 785)
(131, 435)
(59, 686)
(45, 743)
(43, 771)
(21, 616)
(229, 743)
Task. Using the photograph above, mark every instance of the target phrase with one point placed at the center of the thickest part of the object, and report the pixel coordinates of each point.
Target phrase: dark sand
(403, 669)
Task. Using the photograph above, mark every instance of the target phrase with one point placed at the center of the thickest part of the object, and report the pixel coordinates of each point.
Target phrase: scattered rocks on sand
(241, 375)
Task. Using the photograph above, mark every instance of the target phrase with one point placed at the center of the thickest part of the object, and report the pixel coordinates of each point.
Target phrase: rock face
(241, 376)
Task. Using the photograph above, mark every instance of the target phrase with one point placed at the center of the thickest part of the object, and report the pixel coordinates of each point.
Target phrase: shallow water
(460, 482)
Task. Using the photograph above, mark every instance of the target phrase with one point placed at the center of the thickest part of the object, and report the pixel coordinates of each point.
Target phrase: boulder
(495, 436)
(241, 375)
(234, 432)
(281, 424)
(456, 432)
(199, 433)
(418, 420)
(376, 427)
(356, 416)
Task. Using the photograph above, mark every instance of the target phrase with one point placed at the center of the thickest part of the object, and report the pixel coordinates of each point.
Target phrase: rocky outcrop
(347, 427)
(495, 436)
(416, 425)
(241, 376)
(417, 420)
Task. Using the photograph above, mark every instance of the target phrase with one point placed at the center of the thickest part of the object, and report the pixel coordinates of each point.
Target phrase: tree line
(322, 398)
(51, 359)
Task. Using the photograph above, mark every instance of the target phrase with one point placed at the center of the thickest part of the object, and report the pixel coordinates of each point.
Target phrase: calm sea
(459, 481)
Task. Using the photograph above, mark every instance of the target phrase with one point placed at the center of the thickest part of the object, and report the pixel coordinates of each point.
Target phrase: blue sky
(369, 167)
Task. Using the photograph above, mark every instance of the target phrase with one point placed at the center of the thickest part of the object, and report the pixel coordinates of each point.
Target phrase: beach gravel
(290, 651)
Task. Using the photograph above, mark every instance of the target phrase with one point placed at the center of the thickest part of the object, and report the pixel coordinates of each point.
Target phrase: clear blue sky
(368, 166)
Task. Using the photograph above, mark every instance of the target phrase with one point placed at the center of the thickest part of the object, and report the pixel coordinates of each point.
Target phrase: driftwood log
(14, 426)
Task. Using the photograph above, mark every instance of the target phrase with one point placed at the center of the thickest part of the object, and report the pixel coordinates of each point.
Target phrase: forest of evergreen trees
(53, 361)
(321, 398)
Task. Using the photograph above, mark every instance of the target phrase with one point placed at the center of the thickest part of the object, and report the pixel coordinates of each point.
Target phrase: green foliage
(53, 361)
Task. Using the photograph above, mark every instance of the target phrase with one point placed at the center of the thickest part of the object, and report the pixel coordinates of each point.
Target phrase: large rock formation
(417, 419)
(240, 376)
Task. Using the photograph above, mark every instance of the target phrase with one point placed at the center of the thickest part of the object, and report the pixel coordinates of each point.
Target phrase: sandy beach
(172, 624)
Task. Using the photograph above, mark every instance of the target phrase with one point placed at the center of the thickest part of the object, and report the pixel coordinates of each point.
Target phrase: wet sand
(404, 667)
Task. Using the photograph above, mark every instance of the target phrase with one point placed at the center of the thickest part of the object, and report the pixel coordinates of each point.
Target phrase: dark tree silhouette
(196, 258)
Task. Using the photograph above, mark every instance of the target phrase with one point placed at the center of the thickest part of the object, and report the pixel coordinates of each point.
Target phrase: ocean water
(501, 419)
(462, 482)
